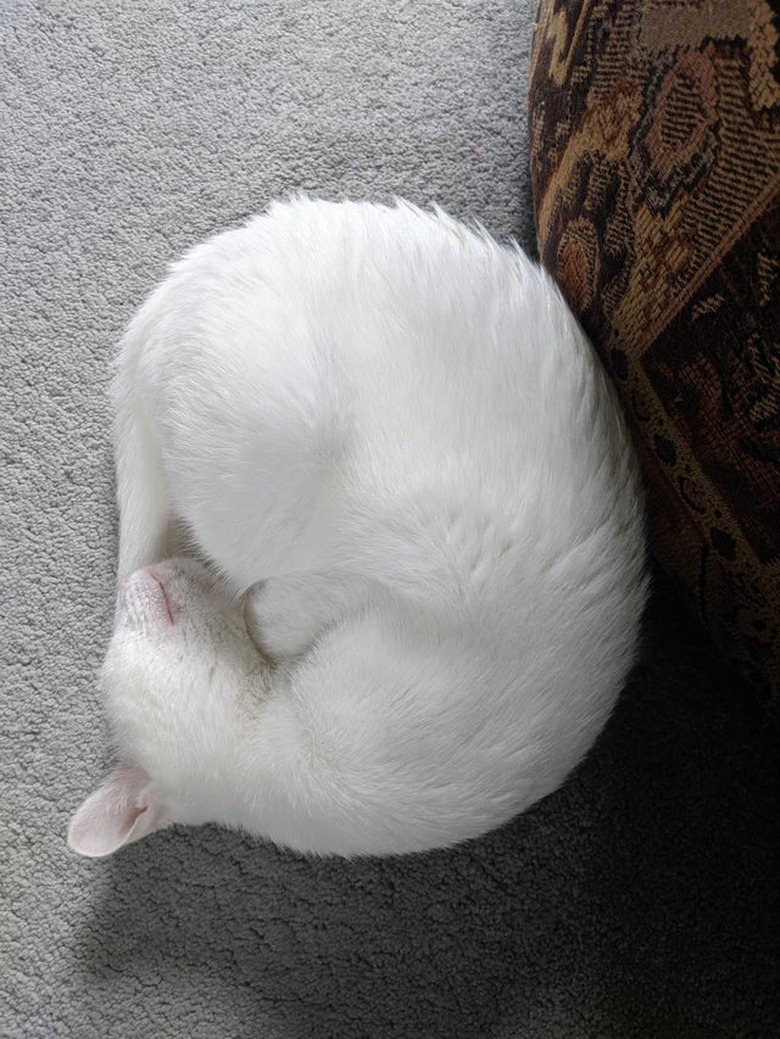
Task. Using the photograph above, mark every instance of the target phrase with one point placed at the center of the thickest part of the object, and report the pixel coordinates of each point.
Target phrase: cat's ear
(118, 813)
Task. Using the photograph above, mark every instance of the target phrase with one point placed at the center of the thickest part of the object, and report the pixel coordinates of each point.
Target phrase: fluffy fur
(393, 445)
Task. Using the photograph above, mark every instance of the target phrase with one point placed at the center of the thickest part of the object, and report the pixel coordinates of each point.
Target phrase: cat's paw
(284, 616)
(277, 620)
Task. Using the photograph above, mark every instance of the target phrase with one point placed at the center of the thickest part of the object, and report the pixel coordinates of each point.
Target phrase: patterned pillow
(655, 130)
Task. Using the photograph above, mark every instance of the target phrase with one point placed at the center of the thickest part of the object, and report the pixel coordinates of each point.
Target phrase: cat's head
(178, 658)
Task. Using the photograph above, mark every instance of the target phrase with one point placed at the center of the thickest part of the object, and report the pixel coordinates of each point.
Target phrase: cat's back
(485, 451)
(432, 342)
(429, 390)
(385, 329)
(391, 308)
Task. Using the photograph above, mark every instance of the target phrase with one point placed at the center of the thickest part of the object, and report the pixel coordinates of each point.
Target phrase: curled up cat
(419, 531)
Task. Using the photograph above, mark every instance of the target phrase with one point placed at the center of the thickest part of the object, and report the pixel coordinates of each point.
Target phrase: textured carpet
(640, 900)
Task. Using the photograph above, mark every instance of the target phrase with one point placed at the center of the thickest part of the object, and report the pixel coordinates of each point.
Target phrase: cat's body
(399, 429)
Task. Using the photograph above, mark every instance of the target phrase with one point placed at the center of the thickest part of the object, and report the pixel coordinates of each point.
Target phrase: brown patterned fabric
(655, 130)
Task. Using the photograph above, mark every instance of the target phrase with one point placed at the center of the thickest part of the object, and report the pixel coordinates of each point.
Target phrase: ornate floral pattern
(655, 131)
(676, 141)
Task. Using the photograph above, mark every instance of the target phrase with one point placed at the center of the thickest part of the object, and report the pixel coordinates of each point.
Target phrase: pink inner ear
(118, 813)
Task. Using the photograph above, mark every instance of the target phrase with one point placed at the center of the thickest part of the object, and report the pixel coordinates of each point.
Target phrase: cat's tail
(142, 493)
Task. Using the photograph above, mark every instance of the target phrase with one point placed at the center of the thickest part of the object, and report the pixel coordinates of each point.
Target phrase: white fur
(391, 438)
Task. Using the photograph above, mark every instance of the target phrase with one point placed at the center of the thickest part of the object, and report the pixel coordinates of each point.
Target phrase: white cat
(393, 443)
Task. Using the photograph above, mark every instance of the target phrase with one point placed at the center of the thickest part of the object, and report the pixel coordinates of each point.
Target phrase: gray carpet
(640, 900)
